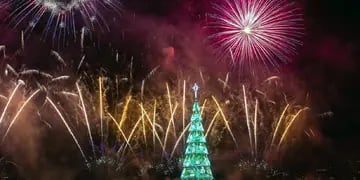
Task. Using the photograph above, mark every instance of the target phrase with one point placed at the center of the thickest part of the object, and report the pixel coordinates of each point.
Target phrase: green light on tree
(196, 164)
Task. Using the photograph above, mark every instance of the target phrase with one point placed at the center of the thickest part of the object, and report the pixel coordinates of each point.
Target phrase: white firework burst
(251, 32)
(61, 19)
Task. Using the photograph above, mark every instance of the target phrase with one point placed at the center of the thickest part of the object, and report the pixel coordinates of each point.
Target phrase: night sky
(328, 63)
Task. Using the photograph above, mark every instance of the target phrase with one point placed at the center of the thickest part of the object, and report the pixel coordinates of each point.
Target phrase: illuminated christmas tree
(196, 164)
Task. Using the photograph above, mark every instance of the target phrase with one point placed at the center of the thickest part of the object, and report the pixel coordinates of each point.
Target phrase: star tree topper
(196, 89)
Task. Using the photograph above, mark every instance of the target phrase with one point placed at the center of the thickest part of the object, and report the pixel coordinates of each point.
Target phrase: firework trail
(9, 99)
(289, 126)
(19, 112)
(3, 49)
(152, 119)
(178, 140)
(147, 118)
(282, 123)
(86, 117)
(248, 120)
(101, 107)
(171, 121)
(60, 78)
(60, 17)
(58, 57)
(211, 123)
(122, 132)
(278, 125)
(67, 127)
(255, 128)
(183, 107)
(256, 31)
(11, 69)
(158, 125)
(154, 123)
(225, 120)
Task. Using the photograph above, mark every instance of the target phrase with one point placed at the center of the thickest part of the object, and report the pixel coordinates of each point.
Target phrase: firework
(141, 120)
(19, 112)
(147, 124)
(67, 127)
(9, 100)
(3, 50)
(60, 17)
(254, 32)
(161, 117)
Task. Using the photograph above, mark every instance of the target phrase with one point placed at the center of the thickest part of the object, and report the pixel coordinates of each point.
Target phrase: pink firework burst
(253, 32)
